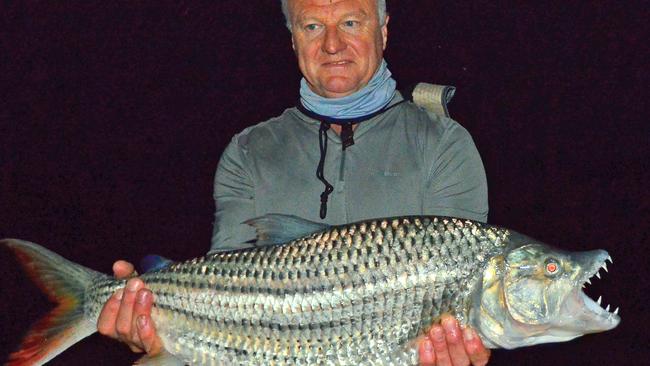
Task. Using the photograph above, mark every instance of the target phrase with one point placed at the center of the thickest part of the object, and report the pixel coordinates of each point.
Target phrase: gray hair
(381, 11)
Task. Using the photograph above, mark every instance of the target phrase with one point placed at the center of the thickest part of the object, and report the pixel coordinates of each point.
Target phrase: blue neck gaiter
(369, 99)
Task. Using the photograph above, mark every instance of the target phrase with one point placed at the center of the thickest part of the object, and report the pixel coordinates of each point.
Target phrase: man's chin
(339, 89)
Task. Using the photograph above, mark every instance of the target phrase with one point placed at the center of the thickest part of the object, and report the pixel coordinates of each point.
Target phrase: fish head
(532, 294)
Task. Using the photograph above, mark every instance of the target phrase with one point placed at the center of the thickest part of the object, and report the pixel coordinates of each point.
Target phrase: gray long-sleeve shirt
(404, 162)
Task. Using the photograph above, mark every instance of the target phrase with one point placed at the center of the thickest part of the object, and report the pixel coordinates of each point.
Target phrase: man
(386, 158)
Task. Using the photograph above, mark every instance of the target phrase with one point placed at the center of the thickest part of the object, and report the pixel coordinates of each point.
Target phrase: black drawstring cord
(322, 141)
(347, 140)
(347, 136)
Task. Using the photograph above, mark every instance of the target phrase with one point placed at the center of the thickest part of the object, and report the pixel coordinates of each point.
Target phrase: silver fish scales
(353, 294)
(357, 294)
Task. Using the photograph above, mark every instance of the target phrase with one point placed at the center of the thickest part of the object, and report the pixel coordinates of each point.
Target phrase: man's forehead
(303, 8)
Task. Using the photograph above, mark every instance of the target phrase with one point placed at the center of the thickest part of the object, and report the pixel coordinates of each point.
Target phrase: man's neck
(337, 128)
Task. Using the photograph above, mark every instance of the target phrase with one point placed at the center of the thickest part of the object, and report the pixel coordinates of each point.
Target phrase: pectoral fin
(153, 262)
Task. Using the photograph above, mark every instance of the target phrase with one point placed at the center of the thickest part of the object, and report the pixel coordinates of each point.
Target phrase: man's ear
(384, 32)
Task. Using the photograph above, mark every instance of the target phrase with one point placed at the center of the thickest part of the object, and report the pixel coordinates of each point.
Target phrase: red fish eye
(551, 267)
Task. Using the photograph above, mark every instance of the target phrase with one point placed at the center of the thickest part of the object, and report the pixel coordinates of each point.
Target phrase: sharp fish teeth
(589, 281)
(609, 258)
(616, 311)
(607, 309)
(598, 301)
(605, 267)
(598, 274)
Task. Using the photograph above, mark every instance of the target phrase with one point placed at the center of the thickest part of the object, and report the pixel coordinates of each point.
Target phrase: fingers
(106, 321)
(427, 355)
(449, 345)
(127, 314)
(146, 330)
(453, 337)
(124, 324)
(123, 269)
(437, 336)
(478, 354)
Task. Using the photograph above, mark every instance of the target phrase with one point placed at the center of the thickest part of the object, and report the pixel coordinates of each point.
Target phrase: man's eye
(351, 23)
(311, 27)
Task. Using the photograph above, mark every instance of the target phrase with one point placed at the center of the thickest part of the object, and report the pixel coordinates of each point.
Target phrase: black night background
(113, 116)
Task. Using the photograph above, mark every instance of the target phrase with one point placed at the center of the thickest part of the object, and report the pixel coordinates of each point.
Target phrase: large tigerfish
(356, 294)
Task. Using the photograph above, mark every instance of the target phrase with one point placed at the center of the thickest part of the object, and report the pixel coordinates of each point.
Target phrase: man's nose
(333, 42)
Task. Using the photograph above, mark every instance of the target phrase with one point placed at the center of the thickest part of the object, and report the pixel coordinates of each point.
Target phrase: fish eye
(552, 266)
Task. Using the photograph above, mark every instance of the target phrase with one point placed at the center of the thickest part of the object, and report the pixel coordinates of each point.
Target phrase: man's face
(339, 43)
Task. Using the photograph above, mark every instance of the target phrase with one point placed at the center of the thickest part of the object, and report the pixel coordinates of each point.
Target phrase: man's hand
(448, 345)
(126, 316)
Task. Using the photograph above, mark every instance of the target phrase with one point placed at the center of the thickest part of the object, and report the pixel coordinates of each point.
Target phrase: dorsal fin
(273, 229)
(153, 262)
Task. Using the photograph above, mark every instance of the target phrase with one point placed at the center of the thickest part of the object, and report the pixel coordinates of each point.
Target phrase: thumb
(123, 269)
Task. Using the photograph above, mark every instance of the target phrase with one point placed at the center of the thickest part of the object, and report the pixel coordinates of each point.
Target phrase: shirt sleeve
(456, 185)
(234, 200)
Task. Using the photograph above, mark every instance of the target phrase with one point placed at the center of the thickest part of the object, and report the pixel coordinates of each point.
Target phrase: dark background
(113, 116)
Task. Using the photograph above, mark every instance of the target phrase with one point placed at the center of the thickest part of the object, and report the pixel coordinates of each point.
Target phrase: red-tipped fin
(65, 283)
(42, 344)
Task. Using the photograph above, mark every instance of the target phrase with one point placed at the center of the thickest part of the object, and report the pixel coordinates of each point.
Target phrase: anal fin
(164, 358)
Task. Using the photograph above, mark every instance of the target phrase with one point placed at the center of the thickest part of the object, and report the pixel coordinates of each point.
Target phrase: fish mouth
(588, 315)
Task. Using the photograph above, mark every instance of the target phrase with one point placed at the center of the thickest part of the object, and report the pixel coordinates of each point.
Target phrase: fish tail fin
(65, 283)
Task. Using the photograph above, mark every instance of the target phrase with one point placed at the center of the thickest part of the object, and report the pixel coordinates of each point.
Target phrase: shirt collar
(359, 130)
